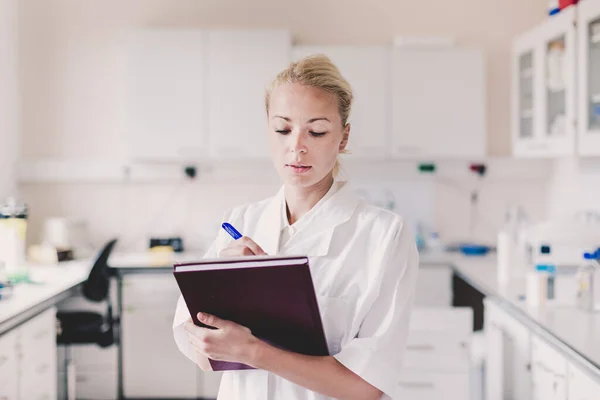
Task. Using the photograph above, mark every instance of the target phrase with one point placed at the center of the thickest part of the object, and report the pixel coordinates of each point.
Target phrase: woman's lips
(298, 168)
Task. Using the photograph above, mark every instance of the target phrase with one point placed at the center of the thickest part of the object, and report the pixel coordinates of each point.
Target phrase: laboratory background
(127, 129)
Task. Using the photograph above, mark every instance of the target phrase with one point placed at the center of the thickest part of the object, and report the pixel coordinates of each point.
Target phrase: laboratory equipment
(13, 229)
(588, 282)
(566, 239)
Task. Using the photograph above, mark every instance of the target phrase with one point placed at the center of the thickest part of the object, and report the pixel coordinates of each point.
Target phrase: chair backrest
(95, 288)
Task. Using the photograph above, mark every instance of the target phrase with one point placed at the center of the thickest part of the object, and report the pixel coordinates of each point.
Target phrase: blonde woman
(363, 259)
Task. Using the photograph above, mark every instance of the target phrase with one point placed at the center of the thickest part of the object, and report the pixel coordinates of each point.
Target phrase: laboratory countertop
(575, 332)
(126, 263)
(50, 285)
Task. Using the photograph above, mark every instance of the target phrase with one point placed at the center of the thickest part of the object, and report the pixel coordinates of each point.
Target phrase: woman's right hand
(244, 246)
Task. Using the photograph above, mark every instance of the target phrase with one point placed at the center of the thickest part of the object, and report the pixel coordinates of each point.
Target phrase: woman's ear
(345, 137)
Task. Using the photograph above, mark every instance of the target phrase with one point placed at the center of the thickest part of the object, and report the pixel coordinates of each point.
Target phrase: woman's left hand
(229, 342)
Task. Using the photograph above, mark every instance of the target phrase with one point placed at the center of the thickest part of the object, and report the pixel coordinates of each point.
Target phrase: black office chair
(86, 327)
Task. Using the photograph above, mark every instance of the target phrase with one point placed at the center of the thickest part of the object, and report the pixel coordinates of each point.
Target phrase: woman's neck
(301, 200)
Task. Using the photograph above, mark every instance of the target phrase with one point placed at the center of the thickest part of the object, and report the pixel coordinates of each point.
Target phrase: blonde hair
(317, 71)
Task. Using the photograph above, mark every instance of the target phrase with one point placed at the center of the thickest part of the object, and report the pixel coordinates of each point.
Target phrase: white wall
(8, 97)
(575, 186)
(71, 87)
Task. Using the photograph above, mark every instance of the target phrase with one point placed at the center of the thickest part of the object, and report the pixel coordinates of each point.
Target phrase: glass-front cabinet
(544, 84)
(589, 77)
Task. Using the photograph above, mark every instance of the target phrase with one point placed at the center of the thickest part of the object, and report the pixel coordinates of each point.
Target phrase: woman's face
(305, 133)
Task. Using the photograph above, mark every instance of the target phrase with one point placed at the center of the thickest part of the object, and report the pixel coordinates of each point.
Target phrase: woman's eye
(283, 131)
(317, 134)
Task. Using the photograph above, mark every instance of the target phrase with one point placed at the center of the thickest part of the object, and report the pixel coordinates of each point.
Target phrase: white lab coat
(364, 265)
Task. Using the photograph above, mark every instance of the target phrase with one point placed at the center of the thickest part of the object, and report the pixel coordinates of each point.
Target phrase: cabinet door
(8, 367)
(38, 360)
(240, 65)
(558, 102)
(508, 360)
(367, 70)
(434, 286)
(581, 385)
(433, 386)
(438, 103)
(165, 106)
(527, 78)
(589, 77)
(153, 366)
(548, 371)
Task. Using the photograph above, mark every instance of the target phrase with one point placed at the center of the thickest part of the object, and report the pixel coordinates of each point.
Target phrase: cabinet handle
(420, 347)
(81, 378)
(418, 385)
(3, 359)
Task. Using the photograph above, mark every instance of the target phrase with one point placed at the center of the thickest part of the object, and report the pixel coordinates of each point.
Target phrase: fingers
(251, 244)
(244, 246)
(211, 320)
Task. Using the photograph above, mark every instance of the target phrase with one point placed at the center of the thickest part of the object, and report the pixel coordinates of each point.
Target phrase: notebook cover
(277, 303)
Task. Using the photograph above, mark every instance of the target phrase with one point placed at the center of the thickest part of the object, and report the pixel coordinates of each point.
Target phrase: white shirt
(364, 265)
(287, 230)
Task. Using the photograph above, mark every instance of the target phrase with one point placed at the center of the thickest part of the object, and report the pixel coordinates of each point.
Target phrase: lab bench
(532, 353)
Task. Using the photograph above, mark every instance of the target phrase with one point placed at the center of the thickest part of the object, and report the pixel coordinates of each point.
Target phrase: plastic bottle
(586, 284)
(537, 288)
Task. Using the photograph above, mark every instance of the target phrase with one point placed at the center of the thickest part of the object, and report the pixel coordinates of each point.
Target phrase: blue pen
(231, 230)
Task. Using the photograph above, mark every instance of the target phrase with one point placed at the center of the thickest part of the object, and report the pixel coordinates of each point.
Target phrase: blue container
(470, 249)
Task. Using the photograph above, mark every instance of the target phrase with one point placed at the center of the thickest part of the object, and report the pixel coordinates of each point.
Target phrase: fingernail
(200, 315)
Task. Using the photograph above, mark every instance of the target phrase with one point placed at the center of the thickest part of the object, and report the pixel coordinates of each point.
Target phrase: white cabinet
(589, 77)
(367, 69)
(153, 366)
(165, 95)
(438, 103)
(434, 286)
(28, 360)
(37, 357)
(240, 66)
(582, 386)
(9, 385)
(437, 358)
(433, 386)
(508, 358)
(544, 87)
(548, 372)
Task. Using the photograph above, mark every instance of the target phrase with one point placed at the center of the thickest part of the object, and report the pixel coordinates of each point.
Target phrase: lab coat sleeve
(182, 315)
(377, 352)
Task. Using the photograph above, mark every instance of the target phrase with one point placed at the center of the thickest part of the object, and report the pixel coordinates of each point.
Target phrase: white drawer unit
(457, 320)
(437, 358)
(508, 368)
(8, 367)
(150, 290)
(581, 384)
(37, 357)
(28, 360)
(437, 351)
(548, 372)
(434, 286)
(434, 386)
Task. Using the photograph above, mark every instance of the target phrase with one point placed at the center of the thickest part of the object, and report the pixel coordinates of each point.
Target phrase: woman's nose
(298, 144)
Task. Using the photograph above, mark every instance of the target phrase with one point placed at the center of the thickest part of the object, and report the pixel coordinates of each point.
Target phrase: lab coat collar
(315, 237)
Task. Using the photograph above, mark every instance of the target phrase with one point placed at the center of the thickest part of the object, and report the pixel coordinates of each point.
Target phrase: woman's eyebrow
(309, 121)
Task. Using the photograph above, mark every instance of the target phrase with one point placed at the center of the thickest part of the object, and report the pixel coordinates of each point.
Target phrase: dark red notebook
(273, 296)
